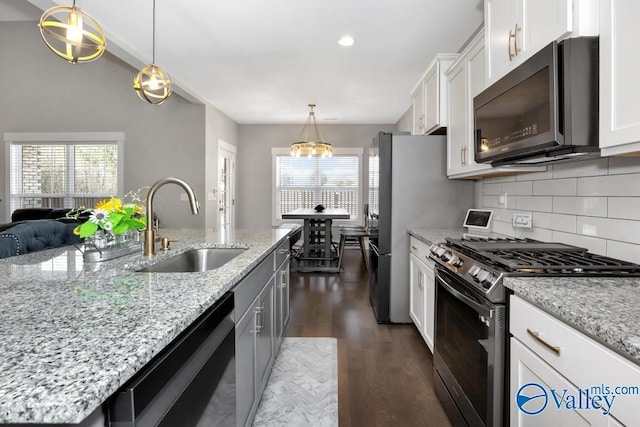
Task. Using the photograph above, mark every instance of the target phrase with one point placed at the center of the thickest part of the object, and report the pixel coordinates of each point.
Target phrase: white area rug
(303, 387)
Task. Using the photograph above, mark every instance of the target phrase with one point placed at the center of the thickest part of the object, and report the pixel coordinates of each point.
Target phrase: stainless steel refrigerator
(408, 187)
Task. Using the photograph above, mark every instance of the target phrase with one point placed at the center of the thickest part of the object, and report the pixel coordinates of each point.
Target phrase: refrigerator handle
(374, 248)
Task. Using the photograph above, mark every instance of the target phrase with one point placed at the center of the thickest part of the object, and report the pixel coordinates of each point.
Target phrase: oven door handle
(374, 248)
(481, 309)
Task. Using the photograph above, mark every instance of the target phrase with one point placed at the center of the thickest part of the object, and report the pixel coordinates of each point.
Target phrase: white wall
(253, 194)
(43, 93)
(593, 204)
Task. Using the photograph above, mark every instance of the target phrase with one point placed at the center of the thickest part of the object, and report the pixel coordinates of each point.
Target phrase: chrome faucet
(149, 232)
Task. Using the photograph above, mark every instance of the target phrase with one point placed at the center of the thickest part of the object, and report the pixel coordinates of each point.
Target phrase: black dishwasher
(191, 383)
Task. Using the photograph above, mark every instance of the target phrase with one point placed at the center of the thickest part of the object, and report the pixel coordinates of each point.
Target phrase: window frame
(346, 151)
(62, 138)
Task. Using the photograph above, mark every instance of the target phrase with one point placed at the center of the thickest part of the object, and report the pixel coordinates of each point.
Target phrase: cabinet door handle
(516, 49)
(536, 336)
(414, 248)
(420, 280)
(283, 275)
(259, 318)
(514, 36)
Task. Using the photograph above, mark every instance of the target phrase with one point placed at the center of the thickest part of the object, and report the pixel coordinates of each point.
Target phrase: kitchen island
(74, 333)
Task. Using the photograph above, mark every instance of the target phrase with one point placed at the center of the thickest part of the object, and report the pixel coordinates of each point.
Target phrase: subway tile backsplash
(594, 204)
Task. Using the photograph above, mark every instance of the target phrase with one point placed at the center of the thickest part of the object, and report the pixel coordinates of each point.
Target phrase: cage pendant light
(152, 84)
(65, 31)
(313, 148)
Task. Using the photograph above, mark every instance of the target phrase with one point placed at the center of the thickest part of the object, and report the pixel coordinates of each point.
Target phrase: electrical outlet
(522, 220)
(502, 199)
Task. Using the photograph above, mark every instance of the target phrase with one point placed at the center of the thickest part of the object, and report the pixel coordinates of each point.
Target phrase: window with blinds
(304, 182)
(62, 175)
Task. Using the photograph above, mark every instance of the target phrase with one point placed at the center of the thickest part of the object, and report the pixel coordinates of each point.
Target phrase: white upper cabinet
(430, 97)
(458, 136)
(465, 80)
(516, 29)
(418, 110)
(619, 82)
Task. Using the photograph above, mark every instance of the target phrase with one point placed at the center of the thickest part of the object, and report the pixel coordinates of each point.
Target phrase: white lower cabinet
(422, 291)
(261, 312)
(561, 377)
(530, 370)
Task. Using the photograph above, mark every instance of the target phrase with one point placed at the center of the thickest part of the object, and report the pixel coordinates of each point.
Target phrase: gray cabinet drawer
(281, 253)
(247, 290)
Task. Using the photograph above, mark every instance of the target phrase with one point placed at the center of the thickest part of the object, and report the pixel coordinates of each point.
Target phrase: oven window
(461, 338)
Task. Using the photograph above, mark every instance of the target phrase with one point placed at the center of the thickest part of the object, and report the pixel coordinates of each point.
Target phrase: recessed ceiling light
(346, 41)
(331, 118)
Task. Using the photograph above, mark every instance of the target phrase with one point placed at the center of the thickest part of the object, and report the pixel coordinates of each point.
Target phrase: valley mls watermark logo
(532, 398)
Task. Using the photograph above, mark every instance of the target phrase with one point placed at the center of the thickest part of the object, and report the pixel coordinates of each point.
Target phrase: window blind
(62, 175)
(304, 182)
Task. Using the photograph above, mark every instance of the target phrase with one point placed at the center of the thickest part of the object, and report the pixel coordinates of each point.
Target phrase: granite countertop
(605, 308)
(429, 236)
(72, 334)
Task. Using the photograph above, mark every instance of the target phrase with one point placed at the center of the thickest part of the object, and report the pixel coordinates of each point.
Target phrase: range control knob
(456, 262)
(487, 281)
(474, 271)
(436, 250)
(482, 276)
(446, 256)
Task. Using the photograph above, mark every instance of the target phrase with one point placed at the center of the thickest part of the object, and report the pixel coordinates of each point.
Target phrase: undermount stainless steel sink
(194, 260)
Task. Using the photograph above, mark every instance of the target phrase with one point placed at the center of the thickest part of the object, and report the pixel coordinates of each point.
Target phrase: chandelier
(64, 31)
(314, 148)
(152, 84)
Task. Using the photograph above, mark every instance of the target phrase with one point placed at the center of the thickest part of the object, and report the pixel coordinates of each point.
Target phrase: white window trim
(56, 138)
(285, 151)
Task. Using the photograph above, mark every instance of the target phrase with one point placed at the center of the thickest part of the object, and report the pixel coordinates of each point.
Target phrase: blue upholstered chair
(37, 235)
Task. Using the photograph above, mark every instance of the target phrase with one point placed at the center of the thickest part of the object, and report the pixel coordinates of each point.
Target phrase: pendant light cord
(153, 45)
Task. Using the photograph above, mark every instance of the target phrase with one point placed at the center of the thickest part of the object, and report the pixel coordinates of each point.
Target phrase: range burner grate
(528, 256)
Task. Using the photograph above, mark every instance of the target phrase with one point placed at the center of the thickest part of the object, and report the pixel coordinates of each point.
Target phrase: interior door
(226, 185)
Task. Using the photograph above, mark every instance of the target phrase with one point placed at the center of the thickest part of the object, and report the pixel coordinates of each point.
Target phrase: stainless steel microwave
(543, 111)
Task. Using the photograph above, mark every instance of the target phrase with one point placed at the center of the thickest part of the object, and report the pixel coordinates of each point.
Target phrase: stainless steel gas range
(471, 331)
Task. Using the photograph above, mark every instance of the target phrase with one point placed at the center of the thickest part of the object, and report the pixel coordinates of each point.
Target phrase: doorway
(226, 185)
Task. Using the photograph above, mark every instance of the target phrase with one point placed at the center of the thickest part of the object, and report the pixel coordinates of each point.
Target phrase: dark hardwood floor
(385, 372)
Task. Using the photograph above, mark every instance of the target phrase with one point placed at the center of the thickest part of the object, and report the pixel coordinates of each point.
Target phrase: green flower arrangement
(112, 216)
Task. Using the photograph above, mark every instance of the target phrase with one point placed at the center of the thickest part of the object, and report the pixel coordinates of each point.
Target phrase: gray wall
(254, 162)
(406, 121)
(43, 93)
(218, 127)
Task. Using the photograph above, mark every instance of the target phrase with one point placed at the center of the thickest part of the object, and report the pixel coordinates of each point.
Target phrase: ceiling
(262, 62)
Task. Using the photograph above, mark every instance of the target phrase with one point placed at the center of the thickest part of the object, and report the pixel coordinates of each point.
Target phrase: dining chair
(354, 235)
